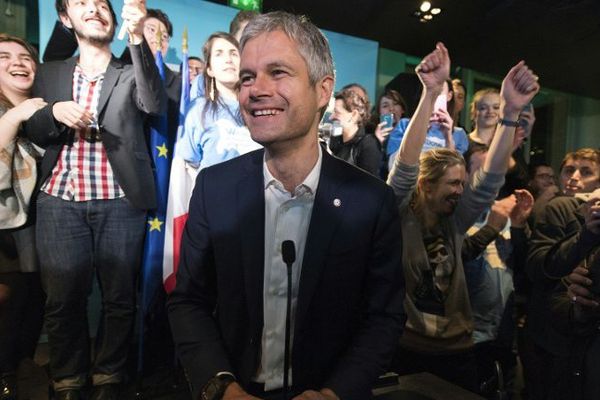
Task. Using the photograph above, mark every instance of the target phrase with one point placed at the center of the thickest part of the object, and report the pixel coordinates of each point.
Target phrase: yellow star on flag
(155, 224)
(162, 150)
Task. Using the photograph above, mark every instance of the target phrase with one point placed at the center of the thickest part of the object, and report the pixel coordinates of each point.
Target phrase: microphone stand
(288, 252)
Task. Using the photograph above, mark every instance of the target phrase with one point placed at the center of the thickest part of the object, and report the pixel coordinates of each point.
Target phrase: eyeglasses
(544, 176)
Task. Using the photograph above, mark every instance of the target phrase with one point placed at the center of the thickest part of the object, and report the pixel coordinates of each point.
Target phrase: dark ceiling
(559, 39)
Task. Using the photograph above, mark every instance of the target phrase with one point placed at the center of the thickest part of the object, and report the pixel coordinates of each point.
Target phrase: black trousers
(20, 318)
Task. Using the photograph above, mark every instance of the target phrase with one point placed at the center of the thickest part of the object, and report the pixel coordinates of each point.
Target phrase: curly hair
(353, 101)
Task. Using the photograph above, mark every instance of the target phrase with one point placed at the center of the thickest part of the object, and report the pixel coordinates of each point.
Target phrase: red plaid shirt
(82, 171)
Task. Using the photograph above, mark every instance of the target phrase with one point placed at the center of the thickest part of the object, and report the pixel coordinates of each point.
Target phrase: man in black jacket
(560, 241)
(95, 187)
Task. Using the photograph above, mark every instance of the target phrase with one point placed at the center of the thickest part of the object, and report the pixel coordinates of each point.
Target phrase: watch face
(215, 388)
(211, 390)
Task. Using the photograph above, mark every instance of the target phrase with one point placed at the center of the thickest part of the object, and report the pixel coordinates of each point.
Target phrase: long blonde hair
(476, 99)
(433, 164)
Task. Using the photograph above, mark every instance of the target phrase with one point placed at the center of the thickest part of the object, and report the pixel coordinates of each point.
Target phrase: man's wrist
(135, 39)
(13, 117)
(217, 386)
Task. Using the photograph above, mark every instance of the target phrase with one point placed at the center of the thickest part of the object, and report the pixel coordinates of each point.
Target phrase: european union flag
(155, 229)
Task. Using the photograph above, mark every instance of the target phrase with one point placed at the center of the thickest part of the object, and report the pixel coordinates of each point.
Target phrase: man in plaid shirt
(96, 185)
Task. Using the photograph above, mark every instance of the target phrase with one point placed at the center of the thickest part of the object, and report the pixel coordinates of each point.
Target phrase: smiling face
(17, 70)
(347, 119)
(91, 20)
(151, 28)
(223, 62)
(278, 102)
(487, 111)
(442, 197)
(388, 105)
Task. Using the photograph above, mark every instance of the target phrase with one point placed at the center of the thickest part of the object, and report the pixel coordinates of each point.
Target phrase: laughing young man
(96, 185)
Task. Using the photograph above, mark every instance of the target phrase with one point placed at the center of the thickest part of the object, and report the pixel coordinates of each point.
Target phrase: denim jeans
(74, 240)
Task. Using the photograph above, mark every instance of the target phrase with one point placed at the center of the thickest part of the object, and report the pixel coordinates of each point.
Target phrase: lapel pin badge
(337, 202)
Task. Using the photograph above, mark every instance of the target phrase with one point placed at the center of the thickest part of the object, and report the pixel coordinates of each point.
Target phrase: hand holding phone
(388, 119)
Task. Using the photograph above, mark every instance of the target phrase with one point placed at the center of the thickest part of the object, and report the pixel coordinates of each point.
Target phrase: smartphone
(440, 102)
(388, 119)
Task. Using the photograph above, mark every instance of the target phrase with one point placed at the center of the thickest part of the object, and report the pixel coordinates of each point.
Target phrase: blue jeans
(74, 240)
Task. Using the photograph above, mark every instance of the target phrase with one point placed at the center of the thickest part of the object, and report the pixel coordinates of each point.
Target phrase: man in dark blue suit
(228, 309)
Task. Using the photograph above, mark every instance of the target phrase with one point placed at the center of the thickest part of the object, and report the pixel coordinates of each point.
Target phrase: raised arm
(518, 89)
(150, 94)
(433, 72)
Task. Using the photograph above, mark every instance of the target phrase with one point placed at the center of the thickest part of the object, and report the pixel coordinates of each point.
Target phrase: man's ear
(324, 90)
(64, 18)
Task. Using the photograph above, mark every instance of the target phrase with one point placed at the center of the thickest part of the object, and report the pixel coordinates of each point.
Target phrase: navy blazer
(350, 314)
(128, 93)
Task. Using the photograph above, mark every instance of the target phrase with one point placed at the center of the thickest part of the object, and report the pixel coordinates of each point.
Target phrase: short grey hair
(312, 44)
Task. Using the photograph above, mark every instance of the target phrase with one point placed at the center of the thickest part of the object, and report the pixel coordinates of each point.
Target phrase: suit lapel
(251, 212)
(111, 77)
(65, 91)
(323, 223)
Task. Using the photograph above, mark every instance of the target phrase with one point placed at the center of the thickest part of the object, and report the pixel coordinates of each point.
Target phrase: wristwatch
(215, 388)
(505, 122)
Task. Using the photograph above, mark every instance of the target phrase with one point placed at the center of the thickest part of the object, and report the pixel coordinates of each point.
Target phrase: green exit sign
(253, 5)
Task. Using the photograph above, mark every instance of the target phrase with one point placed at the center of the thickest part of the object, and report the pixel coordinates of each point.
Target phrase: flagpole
(150, 262)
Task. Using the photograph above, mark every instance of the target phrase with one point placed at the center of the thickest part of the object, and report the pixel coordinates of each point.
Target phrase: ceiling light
(428, 17)
(425, 6)
(436, 11)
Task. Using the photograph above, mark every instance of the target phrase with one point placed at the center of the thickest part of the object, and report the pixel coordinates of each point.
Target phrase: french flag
(180, 188)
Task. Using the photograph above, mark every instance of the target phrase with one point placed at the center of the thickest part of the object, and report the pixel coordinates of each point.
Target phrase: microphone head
(288, 251)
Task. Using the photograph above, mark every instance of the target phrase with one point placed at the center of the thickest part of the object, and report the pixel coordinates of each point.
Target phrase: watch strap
(505, 122)
(216, 386)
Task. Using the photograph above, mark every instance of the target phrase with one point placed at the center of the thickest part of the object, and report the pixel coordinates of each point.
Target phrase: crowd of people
(415, 246)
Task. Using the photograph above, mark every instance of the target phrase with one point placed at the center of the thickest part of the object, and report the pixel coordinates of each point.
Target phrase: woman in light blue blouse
(214, 129)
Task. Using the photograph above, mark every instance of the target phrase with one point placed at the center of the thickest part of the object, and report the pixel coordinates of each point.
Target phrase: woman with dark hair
(21, 299)
(214, 129)
(390, 102)
(354, 145)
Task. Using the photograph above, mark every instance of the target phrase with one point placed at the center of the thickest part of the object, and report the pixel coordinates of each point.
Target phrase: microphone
(288, 253)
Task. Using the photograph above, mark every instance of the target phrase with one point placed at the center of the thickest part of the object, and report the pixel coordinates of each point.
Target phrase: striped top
(83, 172)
